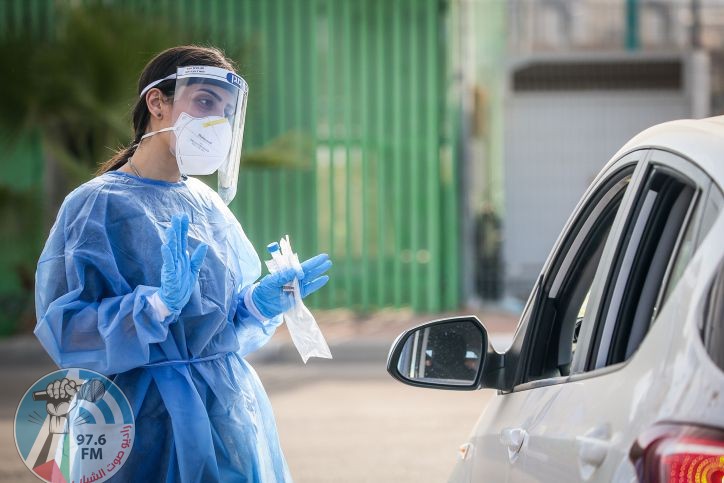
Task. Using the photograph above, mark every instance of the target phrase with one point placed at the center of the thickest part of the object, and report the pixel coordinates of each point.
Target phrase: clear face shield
(209, 106)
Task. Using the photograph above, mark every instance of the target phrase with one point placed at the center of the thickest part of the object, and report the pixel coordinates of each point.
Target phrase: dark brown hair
(163, 65)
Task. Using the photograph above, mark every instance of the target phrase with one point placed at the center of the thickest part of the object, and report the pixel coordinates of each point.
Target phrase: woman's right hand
(179, 272)
(269, 295)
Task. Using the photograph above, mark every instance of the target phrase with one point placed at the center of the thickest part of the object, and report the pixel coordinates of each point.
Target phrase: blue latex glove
(179, 272)
(269, 296)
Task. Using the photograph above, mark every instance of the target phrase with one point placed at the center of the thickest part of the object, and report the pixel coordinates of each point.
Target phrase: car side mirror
(444, 354)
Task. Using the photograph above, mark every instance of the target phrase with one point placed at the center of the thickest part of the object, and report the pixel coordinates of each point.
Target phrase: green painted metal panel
(397, 186)
(364, 82)
(365, 144)
(380, 178)
(434, 181)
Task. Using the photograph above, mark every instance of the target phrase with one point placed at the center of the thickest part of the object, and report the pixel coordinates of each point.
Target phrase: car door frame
(517, 359)
(585, 364)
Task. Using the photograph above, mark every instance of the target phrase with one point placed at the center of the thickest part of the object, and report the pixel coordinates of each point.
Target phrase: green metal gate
(347, 141)
(361, 83)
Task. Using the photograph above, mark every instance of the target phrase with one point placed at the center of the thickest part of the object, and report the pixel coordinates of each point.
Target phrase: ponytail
(118, 159)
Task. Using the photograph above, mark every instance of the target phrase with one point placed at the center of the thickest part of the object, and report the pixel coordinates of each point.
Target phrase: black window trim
(580, 376)
(680, 167)
(586, 337)
(586, 342)
(635, 158)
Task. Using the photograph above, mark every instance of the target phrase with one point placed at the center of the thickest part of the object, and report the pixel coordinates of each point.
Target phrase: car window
(713, 330)
(566, 296)
(655, 233)
(714, 205)
(683, 256)
(692, 238)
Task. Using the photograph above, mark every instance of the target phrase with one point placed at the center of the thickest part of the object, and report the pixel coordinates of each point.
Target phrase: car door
(597, 383)
(501, 444)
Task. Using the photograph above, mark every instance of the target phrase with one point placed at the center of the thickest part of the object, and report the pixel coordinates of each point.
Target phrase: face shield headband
(209, 107)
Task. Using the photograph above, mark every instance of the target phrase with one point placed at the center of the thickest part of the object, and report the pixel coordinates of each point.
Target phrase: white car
(616, 369)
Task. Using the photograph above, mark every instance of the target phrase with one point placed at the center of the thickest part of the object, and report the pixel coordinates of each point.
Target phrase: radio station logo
(74, 426)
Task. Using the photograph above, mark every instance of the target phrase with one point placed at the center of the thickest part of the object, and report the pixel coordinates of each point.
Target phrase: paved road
(340, 420)
(369, 428)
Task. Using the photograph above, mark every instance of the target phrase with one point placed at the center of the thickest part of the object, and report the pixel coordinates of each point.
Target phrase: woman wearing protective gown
(147, 277)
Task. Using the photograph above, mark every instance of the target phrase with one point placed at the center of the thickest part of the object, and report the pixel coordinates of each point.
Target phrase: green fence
(347, 142)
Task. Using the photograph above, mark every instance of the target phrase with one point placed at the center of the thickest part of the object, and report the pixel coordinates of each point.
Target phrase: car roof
(700, 140)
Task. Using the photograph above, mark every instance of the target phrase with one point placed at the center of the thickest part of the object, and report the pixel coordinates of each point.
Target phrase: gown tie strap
(193, 360)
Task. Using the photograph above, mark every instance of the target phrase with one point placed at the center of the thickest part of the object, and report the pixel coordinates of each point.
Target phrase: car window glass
(567, 294)
(682, 259)
(713, 332)
(714, 205)
(661, 213)
(692, 238)
(574, 301)
(579, 322)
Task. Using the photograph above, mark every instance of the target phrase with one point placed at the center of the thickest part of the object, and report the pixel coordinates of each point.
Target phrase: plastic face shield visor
(209, 106)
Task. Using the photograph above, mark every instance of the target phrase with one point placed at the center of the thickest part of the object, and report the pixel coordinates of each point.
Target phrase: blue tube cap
(273, 247)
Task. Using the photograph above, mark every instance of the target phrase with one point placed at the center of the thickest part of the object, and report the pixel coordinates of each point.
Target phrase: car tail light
(679, 454)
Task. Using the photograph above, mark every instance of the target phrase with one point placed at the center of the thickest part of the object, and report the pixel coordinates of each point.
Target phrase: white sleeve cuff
(159, 307)
(250, 304)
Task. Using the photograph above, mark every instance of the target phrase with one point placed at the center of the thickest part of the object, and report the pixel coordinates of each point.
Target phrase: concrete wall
(555, 144)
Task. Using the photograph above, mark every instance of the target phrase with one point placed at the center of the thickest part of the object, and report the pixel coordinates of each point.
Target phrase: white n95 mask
(202, 144)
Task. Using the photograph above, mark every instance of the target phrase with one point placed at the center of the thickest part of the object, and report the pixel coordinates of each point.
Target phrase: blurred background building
(570, 84)
(434, 148)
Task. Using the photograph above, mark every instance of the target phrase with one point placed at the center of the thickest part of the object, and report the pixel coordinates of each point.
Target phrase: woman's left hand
(314, 278)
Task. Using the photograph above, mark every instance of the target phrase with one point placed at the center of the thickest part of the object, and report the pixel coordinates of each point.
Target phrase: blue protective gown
(196, 420)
